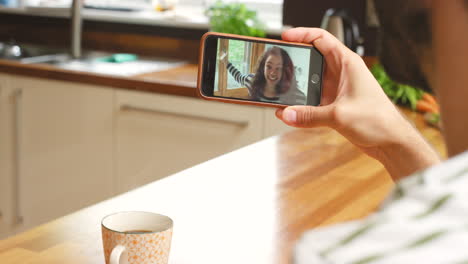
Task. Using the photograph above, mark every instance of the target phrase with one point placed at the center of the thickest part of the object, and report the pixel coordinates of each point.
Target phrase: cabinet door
(158, 135)
(65, 148)
(272, 125)
(6, 148)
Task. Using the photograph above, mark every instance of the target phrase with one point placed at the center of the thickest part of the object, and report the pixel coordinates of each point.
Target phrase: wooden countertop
(248, 206)
(176, 81)
(180, 81)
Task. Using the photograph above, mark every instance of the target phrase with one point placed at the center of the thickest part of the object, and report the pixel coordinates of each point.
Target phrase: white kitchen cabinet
(64, 146)
(272, 125)
(158, 135)
(6, 148)
(59, 138)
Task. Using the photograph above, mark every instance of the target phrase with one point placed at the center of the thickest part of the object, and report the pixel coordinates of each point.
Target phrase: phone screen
(263, 71)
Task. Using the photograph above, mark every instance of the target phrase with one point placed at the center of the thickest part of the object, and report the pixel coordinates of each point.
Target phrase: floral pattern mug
(136, 237)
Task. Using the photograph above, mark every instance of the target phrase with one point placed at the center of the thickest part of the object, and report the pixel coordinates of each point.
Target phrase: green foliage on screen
(234, 18)
(237, 58)
(236, 51)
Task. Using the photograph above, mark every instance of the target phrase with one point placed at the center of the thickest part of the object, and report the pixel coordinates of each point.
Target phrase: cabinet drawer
(158, 135)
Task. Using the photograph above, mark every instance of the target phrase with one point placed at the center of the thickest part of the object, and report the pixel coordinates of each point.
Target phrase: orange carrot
(426, 107)
(429, 98)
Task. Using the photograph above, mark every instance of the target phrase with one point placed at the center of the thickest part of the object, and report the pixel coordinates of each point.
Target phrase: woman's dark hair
(405, 31)
(287, 77)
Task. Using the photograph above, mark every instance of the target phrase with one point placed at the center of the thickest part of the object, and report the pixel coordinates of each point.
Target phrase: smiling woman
(259, 72)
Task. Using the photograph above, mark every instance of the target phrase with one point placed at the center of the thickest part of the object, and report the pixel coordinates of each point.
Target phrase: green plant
(234, 18)
(399, 93)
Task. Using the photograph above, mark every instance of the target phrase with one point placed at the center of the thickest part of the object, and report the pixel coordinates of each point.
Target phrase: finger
(279, 113)
(320, 38)
(330, 47)
(329, 86)
(306, 116)
(223, 56)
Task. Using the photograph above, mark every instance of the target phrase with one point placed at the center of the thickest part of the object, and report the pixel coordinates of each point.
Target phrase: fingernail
(290, 115)
(279, 113)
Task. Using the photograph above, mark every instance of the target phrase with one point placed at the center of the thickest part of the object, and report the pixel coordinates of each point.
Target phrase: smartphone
(258, 71)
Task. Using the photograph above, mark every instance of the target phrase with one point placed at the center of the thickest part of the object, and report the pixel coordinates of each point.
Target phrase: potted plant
(234, 18)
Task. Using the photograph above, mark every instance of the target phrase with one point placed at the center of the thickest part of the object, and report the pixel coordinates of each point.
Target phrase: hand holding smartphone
(257, 71)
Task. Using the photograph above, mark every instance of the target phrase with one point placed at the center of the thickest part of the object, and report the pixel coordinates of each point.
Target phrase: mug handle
(117, 254)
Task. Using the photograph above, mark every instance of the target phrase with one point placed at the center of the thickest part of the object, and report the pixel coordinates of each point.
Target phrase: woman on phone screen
(274, 80)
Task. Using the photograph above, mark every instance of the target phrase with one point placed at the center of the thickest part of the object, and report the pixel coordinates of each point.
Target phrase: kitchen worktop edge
(171, 87)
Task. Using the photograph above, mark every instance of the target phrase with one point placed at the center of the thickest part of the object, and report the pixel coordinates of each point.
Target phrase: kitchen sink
(51, 59)
(95, 62)
(102, 63)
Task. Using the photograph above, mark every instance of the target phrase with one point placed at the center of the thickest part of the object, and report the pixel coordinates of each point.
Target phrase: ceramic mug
(136, 237)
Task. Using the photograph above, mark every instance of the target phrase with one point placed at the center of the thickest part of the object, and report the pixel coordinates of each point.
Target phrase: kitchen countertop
(248, 206)
(176, 81)
(180, 81)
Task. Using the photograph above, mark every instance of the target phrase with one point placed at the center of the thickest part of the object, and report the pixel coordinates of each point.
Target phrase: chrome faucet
(76, 28)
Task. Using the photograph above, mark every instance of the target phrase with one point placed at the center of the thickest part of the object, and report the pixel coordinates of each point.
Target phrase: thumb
(306, 116)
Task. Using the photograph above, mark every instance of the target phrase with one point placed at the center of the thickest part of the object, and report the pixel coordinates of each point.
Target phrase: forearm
(242, 79)
(407, 156)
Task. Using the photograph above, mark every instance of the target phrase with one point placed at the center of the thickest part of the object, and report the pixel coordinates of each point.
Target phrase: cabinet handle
(180, 115)
(17, 218)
